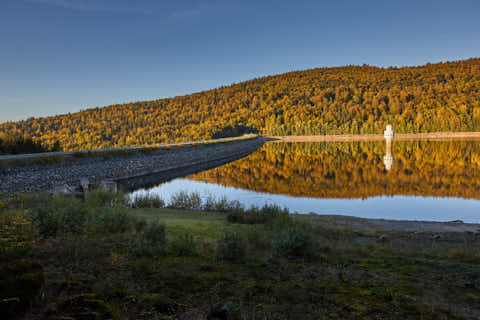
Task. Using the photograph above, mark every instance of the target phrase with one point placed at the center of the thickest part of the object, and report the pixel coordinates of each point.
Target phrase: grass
(164, 263)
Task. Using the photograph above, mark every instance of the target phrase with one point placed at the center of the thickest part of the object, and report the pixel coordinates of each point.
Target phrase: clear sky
(59, 56)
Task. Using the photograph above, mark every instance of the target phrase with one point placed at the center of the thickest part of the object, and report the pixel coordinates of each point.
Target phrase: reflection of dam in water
(389, 134)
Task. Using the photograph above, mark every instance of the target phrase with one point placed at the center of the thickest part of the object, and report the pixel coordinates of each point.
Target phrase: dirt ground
(384, 225)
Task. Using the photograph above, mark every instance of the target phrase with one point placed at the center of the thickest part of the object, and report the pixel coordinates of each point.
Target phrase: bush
(51, 220)
(152, 240)
(16, 236)
(47, 221)
(113, 220)
(268, 214)
(147, 200)
(74, 218)
(183, 200)
(77, 217)
(183, 246)
(138, 223)
(232, 247)
(210, 203)
(293, 242)
(102, 197)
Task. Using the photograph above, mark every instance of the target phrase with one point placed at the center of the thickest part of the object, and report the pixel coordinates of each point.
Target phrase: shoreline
(376, 137)
(416, 227)
(131, 171)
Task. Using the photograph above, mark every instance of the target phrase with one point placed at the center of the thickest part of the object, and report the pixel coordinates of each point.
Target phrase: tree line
(340, 100)
(16, 144)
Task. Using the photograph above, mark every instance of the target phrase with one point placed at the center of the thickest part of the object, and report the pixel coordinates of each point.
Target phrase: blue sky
(59, 56)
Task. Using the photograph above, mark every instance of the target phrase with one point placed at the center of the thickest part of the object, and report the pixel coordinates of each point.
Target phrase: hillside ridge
(436, 97)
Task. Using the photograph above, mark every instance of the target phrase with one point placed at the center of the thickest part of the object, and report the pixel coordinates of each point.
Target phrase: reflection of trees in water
(356, 169)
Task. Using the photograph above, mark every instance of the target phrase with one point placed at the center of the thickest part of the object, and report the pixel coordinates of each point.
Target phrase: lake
(402, 180)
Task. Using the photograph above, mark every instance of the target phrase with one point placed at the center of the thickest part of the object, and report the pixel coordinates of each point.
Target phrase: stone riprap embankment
(132, 171)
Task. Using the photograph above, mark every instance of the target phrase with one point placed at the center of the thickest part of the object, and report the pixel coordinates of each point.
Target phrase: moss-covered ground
(99, 275)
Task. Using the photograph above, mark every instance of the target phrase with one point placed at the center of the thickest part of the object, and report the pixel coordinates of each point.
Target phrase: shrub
(232, 247)
(51, 220)
(113, 220)
(102, 197)
(210, 203)
(138, 223)
(46, 220)
(293, 242)
(73, 218)
(183, 200)
(152, 240)
(268, 214)
(16, 236)
(147, 200)
(183, 246)
(78, 218)
(236, 217)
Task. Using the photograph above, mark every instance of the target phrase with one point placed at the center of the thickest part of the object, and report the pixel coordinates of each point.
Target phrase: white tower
(389, 134)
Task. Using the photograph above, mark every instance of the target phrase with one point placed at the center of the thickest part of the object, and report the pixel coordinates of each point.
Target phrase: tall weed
(232, 247)
(152, 240)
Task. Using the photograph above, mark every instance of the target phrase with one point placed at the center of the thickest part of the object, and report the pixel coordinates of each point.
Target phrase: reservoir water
(405, 180)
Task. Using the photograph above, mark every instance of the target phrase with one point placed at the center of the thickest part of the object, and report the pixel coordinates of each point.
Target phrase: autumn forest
(339, 100)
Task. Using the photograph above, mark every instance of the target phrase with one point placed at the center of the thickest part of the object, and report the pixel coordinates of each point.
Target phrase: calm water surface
(407, 180)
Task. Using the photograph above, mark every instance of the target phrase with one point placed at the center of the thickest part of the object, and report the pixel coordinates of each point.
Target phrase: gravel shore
(44, 178)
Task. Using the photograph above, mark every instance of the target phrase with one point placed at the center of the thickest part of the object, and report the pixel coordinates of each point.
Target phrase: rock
(109, 185)
(84, 183)
(383, 238)
(223, 311)
(218, 311)
(63, 189)
(456, 221)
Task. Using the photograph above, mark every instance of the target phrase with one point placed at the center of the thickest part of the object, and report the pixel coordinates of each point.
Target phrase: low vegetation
(105, 258)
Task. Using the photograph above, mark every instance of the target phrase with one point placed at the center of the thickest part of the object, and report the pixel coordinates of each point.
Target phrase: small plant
(267, 215)
(113, 220)
(74, 218)
(293, 242)
(102, 197)
(210, 203)
(138, 223)
(46, 220)
(77, 217)
(147, 200)
(152, 240)
(16, 236)
(232, 247)
(183, 246)
(183, 200)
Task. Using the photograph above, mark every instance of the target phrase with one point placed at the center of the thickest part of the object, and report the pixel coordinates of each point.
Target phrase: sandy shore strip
(377, 137)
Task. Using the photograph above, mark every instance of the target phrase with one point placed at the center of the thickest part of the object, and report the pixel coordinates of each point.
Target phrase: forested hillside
(351, 99)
